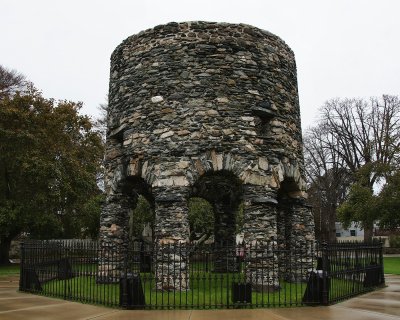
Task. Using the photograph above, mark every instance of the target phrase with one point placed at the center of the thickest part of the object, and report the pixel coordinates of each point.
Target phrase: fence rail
(187, 277)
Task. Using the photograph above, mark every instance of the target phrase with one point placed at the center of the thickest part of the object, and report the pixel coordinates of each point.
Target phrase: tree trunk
(5, 251)
(368, 232)
(332, 225)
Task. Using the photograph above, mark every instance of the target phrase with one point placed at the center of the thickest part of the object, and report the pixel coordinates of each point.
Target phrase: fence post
(325, 293)
(22, 277)
(124, 284)
(382, 282)
(63, 250)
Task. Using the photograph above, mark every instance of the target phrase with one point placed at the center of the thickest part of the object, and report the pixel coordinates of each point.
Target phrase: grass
(391, 265)
(83, 289)
(206, 291)
(9, 270)
(214, 290)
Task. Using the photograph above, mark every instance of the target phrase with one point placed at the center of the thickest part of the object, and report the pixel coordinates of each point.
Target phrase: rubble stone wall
(192, 98)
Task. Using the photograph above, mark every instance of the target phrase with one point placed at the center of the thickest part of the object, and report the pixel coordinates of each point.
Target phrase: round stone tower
(210, 110)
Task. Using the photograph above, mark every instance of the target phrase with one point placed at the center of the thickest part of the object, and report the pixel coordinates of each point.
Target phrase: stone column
(300, 241)
(260, 234)
(114, 235)
(171, 238)
(283, 215)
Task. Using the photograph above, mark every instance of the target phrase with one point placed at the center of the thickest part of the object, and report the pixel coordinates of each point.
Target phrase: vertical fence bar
(325, 297)
(22, 272)
(382, 280)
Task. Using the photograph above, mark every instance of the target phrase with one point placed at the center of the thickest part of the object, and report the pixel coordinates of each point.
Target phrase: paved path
(379, 305)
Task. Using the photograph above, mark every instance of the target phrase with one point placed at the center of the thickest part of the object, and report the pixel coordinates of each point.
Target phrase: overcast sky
(343, 48)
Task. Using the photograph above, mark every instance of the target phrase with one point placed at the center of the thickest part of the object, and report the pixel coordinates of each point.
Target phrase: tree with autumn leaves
(50, 157)
(353, 150)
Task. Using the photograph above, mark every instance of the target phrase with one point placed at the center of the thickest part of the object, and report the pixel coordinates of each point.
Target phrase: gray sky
(343, 48)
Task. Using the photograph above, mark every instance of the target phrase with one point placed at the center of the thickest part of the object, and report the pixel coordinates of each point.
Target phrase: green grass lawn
(391, 265)
(9, 270)
(208, 290)
(205, 292)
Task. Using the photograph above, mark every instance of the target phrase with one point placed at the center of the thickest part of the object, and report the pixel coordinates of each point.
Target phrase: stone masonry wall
(191, 98)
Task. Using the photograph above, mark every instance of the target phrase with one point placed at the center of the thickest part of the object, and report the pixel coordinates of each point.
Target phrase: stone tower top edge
(177, 27)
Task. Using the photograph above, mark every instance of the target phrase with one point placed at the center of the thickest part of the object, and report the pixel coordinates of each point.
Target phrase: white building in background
(352, 233)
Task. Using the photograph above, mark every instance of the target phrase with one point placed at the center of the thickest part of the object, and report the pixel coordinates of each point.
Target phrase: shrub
(394, 241)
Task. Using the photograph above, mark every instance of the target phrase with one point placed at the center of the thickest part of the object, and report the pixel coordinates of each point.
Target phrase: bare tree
(101, 121)
(363, 138)
(328, 179)
(100, 125)
(10, 82)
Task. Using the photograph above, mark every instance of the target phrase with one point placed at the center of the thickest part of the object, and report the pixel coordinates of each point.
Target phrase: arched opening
(223, 191)
(201, 220)
(140, 202)
(114, 238)
(141, 207)
(140, 221)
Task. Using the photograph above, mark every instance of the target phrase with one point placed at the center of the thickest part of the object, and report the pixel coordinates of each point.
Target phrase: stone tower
(209, 110)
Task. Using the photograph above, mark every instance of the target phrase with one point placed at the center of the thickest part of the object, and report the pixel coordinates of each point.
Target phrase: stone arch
(213, 161)
(134, 185)
(130, 169)
(290, 173)
(137, 167)
(250, 170)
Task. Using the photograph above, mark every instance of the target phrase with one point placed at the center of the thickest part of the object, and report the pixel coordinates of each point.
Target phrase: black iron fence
(182, 276)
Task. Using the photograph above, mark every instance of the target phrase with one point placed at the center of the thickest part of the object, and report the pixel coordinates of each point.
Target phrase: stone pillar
(260, 234)
(283, 215)
(114, 236)
(300, 241)
(171, 238)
